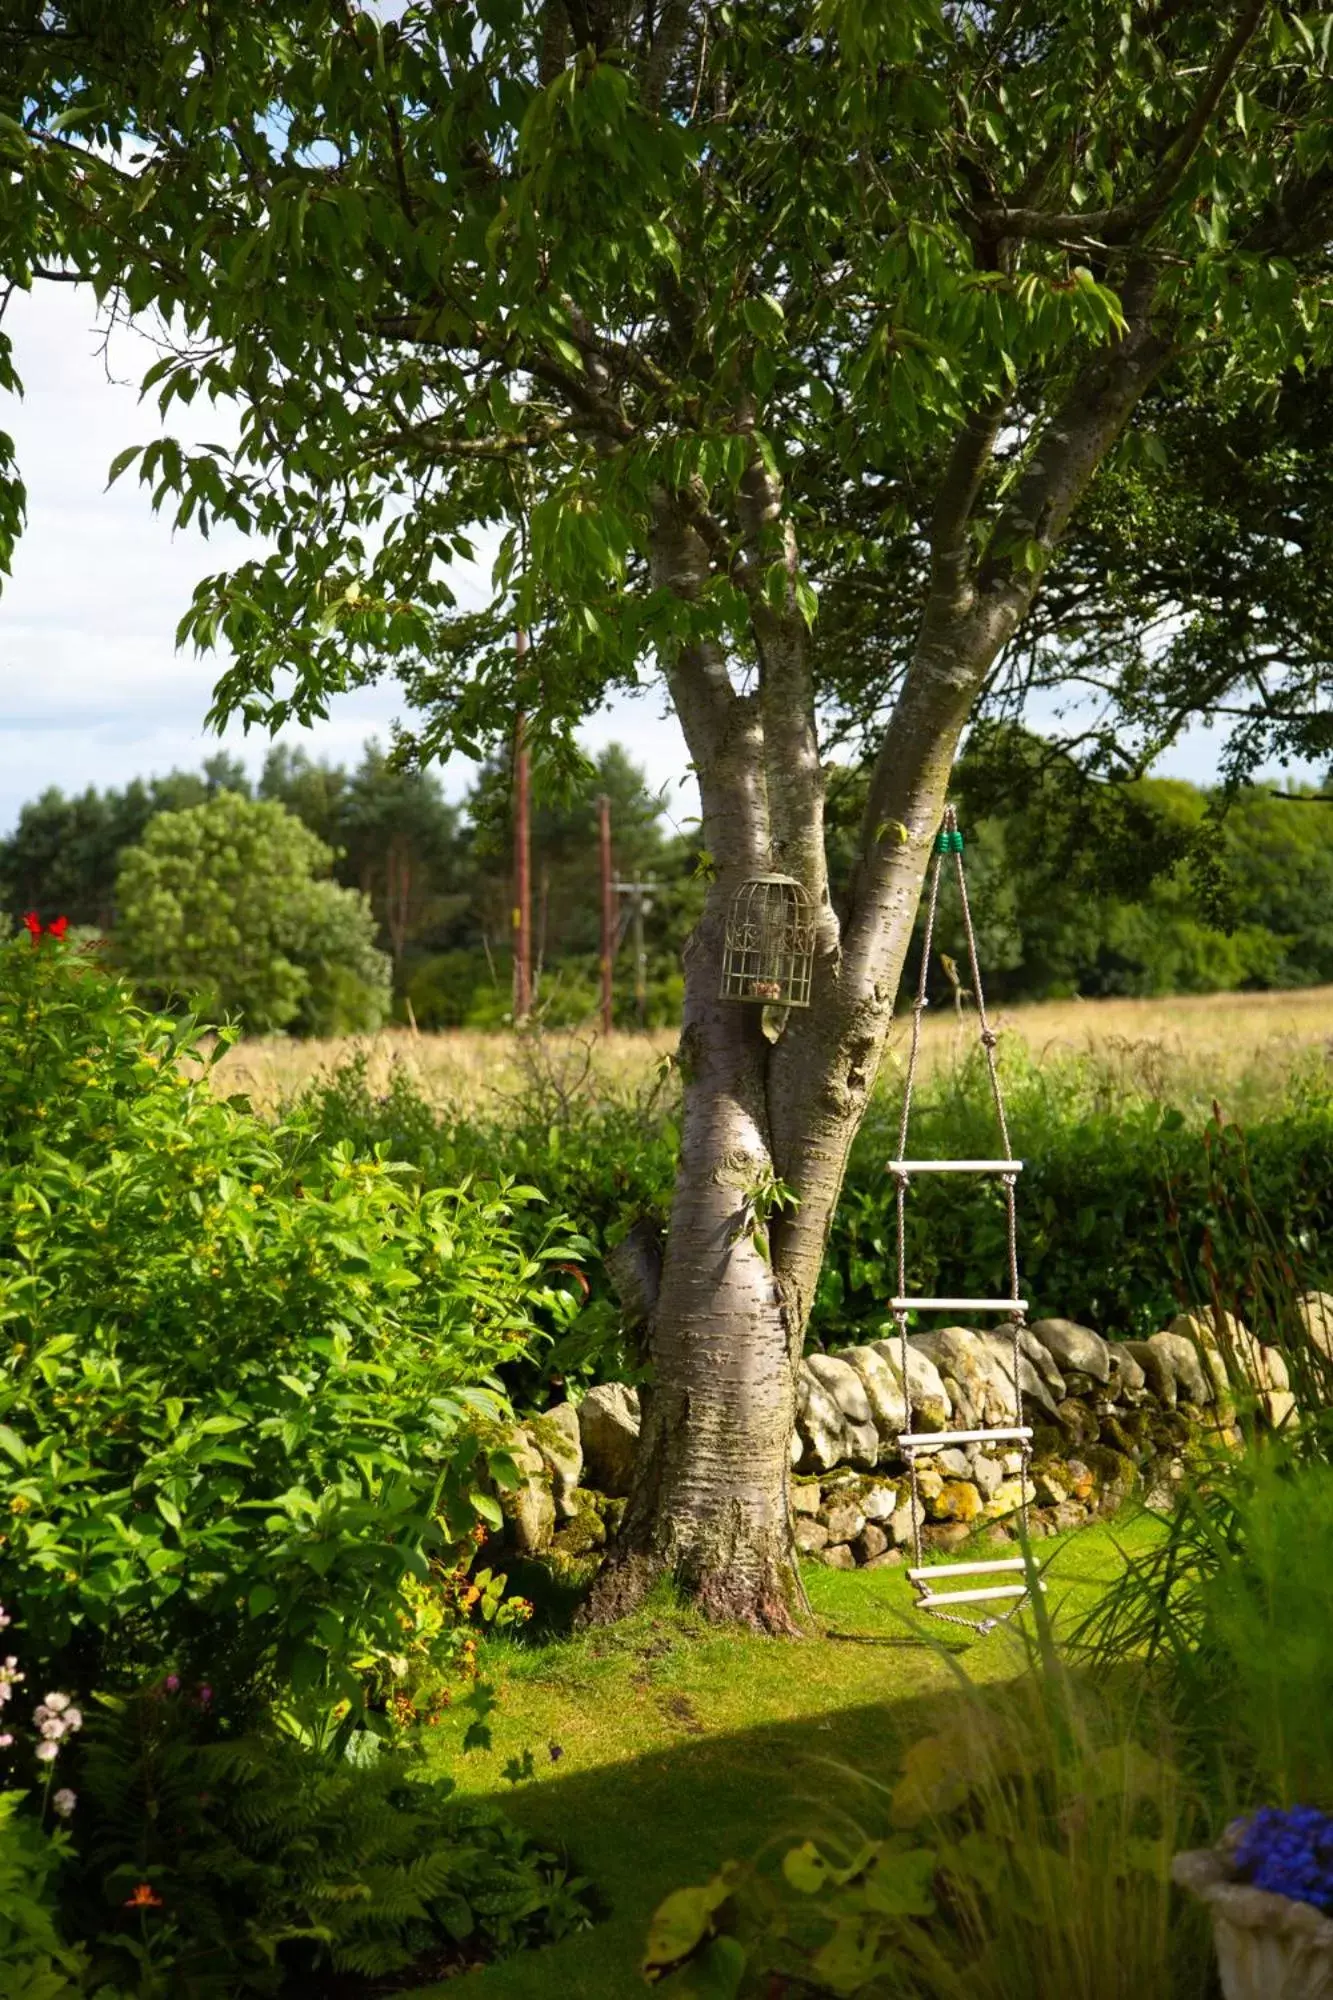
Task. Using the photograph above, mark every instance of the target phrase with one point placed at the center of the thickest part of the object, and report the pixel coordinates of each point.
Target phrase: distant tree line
(1153, 888)
(434, 878)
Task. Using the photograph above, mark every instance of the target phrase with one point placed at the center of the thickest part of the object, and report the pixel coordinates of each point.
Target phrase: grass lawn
(662, 1746)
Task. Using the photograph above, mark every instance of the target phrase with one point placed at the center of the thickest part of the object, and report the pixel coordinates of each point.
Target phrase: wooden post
(608, 909)
(522, 862)
(640, 959)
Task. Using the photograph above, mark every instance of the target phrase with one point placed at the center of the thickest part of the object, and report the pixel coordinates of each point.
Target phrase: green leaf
(848, 1959)
(806, 1869)
(13, 1444)
(120, 461)
(682, 1921)
(764, 316)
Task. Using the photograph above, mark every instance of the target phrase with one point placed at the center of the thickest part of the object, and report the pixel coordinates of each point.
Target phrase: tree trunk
(709, 1504)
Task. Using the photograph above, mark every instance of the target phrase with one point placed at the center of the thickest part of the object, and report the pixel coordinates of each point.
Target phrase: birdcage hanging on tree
(770, 943)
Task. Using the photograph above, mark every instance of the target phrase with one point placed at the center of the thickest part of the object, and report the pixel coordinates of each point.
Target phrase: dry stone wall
(1112, 1421)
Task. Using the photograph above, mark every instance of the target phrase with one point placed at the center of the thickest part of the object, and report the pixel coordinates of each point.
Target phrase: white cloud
(92, 689)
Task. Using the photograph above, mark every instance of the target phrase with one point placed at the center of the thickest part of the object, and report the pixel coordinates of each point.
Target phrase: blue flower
(1289, 1854)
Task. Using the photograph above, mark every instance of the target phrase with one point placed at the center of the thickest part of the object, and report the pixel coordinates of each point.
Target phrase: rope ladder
(915, 1445)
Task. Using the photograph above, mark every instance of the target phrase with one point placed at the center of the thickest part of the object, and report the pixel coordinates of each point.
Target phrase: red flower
(145, 1897)
(34, 926)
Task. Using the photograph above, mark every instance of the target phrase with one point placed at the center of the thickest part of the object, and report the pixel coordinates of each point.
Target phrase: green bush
(1128, 1210)
(246, 1372)
(1123, 1205)
(598, 1159)
(222, 905)
(35, 1960)
(247, 1863)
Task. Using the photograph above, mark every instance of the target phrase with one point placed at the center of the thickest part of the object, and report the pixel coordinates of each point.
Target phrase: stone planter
(1268, 1947)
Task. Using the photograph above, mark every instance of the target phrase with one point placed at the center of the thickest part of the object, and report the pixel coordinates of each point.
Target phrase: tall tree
(703, 308)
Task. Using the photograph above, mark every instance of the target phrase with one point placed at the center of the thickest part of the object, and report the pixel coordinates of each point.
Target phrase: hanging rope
(949, 842)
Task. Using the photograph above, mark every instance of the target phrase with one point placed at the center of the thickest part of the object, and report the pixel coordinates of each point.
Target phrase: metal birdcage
(770, 944)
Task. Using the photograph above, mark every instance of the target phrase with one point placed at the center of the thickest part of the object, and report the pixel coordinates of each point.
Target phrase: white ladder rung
(955, 1166)
(967, 1569)
(937, 1440)
(930, 1598)
(958, 1305)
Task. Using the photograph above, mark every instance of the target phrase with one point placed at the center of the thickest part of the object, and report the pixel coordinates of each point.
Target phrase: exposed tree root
(767, 1598)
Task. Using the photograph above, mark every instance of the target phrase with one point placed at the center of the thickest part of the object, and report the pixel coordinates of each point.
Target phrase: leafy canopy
(518, 270)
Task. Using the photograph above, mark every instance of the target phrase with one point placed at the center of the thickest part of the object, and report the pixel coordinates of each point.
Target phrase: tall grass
(1244, 1049)
(1230, 1619)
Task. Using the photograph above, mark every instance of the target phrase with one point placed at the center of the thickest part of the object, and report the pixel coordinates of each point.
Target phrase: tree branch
(1126, 221)
(786, 688)
(959, 488)
(656, 68)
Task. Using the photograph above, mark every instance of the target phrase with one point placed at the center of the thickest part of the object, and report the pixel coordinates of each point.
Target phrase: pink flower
(5, 1741)
(205, 1695)
(172, 1683)
(65, 1801)
(47, 1752)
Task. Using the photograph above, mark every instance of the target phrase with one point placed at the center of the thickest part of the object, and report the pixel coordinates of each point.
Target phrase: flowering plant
(53, 1719)
(247, 1386)
(1290, 1854)
(32, 923)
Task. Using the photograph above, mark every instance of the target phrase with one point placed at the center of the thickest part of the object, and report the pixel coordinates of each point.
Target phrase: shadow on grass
(671, 1816)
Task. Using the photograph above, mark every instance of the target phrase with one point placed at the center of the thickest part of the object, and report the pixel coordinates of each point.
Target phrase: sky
(92, 688)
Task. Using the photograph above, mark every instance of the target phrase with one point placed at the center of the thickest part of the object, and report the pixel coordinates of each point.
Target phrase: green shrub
(1128, 1211)
(598, 1159)
(245, 1373)
(35, 1960)
(1123, 1202)
(222, 905)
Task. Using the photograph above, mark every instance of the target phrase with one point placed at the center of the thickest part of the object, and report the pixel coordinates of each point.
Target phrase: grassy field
(1187, 1049)
(662, 1746)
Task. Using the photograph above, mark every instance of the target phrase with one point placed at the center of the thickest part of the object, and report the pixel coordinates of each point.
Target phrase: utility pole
(608, 908)
(640, 902)
(640, 959)
(522, 861)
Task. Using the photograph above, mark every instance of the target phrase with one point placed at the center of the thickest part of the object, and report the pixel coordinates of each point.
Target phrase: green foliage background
(1126, 1202)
